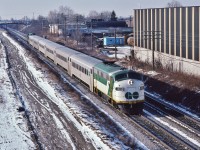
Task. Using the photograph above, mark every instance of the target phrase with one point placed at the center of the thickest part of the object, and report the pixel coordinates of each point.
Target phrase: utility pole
(77, 30)
(65, 28)
(115, 46)
(130, 19)
(42, 26)
(152, 35)
(91, 37)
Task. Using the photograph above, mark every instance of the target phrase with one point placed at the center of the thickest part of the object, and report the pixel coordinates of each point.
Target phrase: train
(121, 87)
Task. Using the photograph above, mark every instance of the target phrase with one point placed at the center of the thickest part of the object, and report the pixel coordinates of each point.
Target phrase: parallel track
(158, 132)
(189, 124)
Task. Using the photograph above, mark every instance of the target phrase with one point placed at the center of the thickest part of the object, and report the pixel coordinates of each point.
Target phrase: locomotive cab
(128, 91)
(123, 88)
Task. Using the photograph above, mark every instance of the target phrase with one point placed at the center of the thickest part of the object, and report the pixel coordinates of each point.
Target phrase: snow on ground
(140, 145)
(152, 73)
(181, 108)
(122, 52)
(167, 125)
(86, 131)
(13, 127)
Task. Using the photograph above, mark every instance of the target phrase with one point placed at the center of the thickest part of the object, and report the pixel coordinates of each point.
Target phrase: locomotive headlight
(130, 82)
(142, 87)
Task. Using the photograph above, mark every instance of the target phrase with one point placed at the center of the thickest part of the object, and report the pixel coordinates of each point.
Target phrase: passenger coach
(82, 68)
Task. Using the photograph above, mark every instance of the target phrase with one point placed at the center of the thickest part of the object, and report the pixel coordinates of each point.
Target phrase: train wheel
(99, 93)
(114, 104)
(109, 100)
(95, 90)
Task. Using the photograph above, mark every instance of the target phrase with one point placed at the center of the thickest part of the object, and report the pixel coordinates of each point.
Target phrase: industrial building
(172, 33)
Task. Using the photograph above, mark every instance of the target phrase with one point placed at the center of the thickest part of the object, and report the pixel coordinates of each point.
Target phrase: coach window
(86, 71)
(79, 68)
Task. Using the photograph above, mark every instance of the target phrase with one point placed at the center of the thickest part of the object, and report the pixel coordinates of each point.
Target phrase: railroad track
(187, 128)
(183, 135)
(157, 132)
(176, 110)
(182, 116)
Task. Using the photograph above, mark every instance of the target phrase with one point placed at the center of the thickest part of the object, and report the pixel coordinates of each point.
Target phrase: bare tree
(67, 12)
(93, 14)
(53, 16)
(105, 15)
(174, 3)
(40, 18)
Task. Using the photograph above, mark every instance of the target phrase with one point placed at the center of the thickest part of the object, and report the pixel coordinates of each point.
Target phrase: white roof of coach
(49, 44)
(86, 60)
(44, 41)
(53, 46)
(35, 38)
(66, 51)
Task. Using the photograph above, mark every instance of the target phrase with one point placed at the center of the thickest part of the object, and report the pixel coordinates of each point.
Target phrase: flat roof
(166, 7)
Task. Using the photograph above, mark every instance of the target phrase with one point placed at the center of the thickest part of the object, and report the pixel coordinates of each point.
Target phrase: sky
(17, 9)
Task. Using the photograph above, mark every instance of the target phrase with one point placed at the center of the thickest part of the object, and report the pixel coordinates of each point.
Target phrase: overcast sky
(19, 8)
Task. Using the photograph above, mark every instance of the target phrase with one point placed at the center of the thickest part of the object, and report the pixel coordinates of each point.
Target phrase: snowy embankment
(14, 132)
(176, 107)
(86, 131)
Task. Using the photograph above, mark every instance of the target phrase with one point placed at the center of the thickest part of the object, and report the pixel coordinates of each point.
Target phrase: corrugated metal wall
(179, 28)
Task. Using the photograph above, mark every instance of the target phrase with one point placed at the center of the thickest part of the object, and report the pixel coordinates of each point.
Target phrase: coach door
(54, 57)
(91, 80)
(69, 66)
(110, 90)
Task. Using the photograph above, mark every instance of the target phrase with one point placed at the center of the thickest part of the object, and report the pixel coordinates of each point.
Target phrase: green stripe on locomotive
(100, 79)
(108, 70)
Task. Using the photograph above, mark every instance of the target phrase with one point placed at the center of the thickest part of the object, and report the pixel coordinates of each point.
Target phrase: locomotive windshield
(127, 75)
(121, 77)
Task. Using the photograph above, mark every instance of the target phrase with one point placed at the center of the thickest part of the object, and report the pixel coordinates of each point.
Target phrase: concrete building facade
(172, 33)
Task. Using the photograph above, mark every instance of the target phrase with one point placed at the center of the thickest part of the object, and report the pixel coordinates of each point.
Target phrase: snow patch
(14, 133)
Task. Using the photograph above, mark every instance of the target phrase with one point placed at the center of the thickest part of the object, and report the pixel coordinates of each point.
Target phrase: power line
(153, 35)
